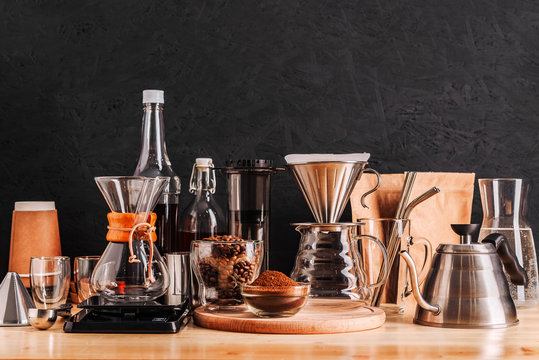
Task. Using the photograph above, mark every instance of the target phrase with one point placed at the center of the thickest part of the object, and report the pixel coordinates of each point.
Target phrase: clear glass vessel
(222, 267)
(249, 194)
(504, 204)
(153, 161)
(203, 217)
(395, 235)
(330, 260)
(131, 268)
(269, 301)
(49, 278)
(83, 268)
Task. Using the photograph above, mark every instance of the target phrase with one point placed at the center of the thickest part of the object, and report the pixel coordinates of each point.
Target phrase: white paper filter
(310, 158)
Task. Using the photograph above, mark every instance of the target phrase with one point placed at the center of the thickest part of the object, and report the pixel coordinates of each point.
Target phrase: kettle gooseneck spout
(415, 285)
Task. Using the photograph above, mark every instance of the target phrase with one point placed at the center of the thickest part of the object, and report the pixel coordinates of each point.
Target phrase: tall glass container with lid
(249, 193)
(504, 204)
(153, 161)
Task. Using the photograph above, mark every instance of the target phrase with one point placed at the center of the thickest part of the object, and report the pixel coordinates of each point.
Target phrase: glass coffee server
(329, 257)
(504, 204)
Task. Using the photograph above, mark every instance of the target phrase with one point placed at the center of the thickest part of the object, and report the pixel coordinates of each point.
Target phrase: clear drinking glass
(221, 267)
(49, 279)
(83, 268)
(504, 211)
(395, 235)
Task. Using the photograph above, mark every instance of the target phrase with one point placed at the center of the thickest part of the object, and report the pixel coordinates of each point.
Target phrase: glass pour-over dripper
(131, 269)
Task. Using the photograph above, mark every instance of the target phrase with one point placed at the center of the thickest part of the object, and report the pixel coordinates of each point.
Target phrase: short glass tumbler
(49, 279)
(221, 267)
(83, 268)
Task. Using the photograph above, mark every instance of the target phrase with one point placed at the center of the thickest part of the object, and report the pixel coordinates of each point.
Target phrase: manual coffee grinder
(329, 253)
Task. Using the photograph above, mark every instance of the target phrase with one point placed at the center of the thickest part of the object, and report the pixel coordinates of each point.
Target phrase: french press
(249, 190)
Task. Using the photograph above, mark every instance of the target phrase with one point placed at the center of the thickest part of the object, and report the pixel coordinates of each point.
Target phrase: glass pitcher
(504, 204)
(131, 268)
(329, 259)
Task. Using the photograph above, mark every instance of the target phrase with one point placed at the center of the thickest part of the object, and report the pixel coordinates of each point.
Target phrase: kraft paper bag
(430, 219)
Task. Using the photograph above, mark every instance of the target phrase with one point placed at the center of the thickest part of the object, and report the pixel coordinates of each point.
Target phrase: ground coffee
(272, 278)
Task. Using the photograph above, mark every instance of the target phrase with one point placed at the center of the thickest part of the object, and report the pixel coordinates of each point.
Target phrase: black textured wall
(421, 85)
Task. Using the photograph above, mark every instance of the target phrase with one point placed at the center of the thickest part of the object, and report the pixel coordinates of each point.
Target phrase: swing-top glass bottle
(203, 217)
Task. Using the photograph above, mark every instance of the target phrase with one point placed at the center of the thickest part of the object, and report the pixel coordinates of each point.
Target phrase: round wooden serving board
(317, 317)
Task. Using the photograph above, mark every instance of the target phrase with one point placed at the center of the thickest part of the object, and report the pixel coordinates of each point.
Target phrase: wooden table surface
(397, 339)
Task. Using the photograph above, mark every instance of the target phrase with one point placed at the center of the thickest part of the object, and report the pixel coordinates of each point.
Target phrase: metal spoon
(42, 319)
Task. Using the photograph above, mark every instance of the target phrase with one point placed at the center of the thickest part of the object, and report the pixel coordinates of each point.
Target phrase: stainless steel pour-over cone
(327, 185)
(14, 301)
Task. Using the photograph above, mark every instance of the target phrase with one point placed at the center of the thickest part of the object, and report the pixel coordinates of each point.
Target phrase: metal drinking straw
(393, 246)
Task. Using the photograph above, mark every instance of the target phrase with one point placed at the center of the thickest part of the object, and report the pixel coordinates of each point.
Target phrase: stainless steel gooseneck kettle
(466, 286)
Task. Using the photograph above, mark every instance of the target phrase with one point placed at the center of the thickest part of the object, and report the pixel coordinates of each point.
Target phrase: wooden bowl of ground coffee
(274, 294)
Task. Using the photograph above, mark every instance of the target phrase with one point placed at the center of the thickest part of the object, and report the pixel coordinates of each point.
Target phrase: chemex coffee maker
(329, 256)
(131, 274)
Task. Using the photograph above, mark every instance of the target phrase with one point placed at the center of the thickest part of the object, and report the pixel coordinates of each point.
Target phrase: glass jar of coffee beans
(222, 264)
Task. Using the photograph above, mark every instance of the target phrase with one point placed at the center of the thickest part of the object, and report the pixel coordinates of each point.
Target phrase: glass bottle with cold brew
(203, 217)
(153, 161)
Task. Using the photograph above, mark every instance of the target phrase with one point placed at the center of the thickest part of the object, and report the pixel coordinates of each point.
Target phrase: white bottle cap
(153, 96)
(35, 206)
(204, 162)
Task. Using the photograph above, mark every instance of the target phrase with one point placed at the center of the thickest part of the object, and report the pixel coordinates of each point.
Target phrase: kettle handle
(384, 254)
(428, 255)
(510, 262)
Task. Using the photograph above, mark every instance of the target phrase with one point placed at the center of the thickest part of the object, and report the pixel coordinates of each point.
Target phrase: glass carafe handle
(385, 269)
(378, 182)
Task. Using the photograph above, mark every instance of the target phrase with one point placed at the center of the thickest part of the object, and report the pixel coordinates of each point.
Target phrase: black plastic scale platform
(99, 316)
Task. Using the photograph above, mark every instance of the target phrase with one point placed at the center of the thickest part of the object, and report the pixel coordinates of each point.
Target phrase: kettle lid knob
(466, 231)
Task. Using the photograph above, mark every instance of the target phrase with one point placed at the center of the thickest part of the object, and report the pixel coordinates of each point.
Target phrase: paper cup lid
(34, 206)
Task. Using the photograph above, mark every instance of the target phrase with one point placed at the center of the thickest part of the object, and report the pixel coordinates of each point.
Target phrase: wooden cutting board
(317, 317)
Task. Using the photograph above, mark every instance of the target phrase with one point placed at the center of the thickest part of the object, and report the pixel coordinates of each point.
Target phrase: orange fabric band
(125, 222)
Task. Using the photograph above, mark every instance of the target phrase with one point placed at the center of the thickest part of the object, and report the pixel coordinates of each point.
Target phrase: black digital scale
(100, 316)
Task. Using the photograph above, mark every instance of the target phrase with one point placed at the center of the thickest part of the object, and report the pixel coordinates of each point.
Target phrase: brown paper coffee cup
(34, 232)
